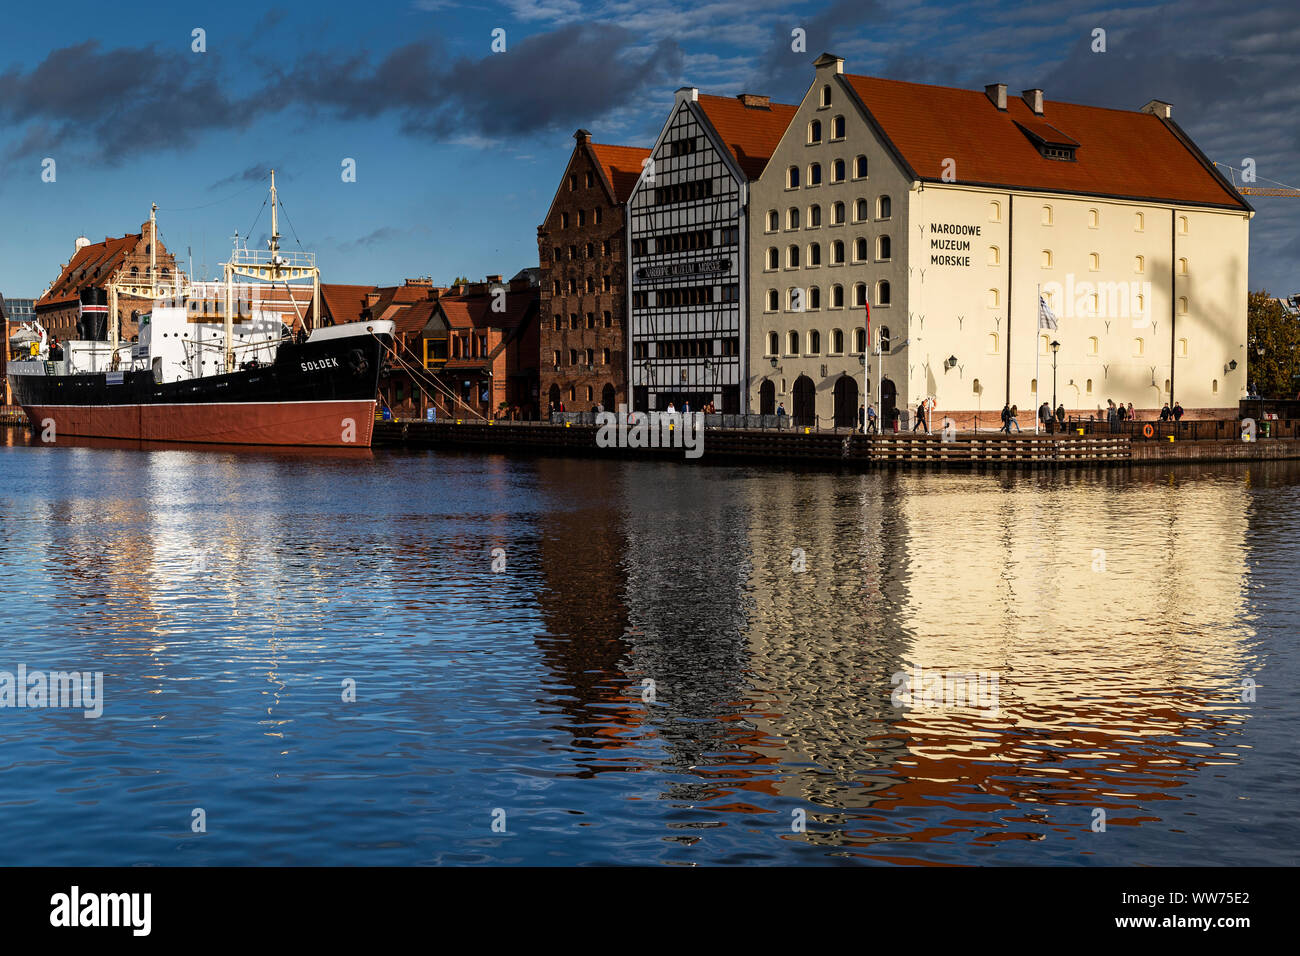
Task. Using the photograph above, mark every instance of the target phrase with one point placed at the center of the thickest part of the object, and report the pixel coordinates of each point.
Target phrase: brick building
(583, 256)
(410, 306)
(139, 263)
(482, 349)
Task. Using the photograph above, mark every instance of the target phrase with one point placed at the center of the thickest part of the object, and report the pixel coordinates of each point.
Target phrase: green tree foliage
(1269, 327)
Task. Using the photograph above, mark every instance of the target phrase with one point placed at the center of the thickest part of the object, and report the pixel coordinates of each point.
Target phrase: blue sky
(458, 149)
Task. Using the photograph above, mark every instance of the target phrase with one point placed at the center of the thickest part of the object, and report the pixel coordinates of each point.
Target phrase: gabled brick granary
(583, 256)
(129, 259)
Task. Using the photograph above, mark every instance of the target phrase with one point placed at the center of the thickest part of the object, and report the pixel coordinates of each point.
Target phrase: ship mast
(274, 242)
(272, 266)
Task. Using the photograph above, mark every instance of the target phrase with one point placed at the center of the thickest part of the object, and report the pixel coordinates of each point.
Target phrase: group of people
(708, 409)
(1172, 414)
(869, 420)
(1050, 420)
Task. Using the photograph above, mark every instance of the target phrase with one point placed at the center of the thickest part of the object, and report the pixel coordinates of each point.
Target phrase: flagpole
(866, 369)
(880, 378)
(1038, 308)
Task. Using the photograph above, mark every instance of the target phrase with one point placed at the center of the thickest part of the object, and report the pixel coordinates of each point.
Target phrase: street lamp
(1055, 346)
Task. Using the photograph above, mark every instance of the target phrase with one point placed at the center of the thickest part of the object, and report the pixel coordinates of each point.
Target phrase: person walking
(780, 415)
(862, 418)
(1045, 417)
(920, 418)
(1060, 418)
(1165, 413)
(1006, 419)
(873, 427)
(1178, 411)
(1130, 416)
(1014, 419)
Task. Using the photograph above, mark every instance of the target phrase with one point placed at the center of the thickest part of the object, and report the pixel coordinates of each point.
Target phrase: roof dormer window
(1050, 142)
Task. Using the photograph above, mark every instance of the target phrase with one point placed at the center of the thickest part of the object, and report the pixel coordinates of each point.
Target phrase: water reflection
(648, 663)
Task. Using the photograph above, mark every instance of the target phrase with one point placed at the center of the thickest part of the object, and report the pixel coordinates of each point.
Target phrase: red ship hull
(322, 424)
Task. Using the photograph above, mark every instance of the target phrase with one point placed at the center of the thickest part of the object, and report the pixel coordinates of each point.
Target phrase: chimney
(1159, 108)
(496, 279)
(835, 63)
(755, 101)
(997, 94)
(582, 136)
(1034, 100)
(690, 93)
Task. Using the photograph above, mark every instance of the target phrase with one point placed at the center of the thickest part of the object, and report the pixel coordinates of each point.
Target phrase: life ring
(1148, 430)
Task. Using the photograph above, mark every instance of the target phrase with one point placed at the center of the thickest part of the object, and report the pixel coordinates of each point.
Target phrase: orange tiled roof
(93, 265)
(344, 303)
(414, 318)
(475, 311)
(750, 132)
(622, 166)
(408, 294)
(1121, 153)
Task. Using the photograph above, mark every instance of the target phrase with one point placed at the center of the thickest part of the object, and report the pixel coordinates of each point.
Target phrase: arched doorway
(805, 402)
(553, 397)
(607, 397)
(767, 397)
(888, 403)
(846, 402)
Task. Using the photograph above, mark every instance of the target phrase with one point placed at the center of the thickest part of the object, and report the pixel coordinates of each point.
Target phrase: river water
(397, 657)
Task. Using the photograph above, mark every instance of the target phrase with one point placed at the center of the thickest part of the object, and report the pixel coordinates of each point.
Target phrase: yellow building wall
(1106, 267)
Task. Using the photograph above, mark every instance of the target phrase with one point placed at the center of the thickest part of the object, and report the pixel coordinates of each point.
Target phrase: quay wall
(795, 446)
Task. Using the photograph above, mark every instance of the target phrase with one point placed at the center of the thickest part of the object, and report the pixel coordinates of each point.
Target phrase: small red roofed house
(482, 342)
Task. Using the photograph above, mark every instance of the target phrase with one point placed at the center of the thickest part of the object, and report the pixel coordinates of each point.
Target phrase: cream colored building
(951, 210)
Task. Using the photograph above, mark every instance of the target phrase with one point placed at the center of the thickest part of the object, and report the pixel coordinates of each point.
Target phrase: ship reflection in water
(644, 662)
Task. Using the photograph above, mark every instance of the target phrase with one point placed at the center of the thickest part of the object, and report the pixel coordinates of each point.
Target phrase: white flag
(1046, 317)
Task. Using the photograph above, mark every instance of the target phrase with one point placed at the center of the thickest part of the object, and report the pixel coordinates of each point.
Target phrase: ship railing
(257, 258)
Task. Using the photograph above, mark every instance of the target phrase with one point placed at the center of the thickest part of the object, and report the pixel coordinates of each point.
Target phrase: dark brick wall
(598, 267)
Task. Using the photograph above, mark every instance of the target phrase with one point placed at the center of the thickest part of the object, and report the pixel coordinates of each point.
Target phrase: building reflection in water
(1109, 606)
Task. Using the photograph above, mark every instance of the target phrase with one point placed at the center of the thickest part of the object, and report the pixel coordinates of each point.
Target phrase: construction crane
(1277, 189)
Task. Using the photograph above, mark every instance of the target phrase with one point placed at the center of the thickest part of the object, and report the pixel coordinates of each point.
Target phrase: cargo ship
(212, 362)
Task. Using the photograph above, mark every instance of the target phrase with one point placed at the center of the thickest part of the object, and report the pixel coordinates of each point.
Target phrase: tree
(460, 281)
(1270, 328)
